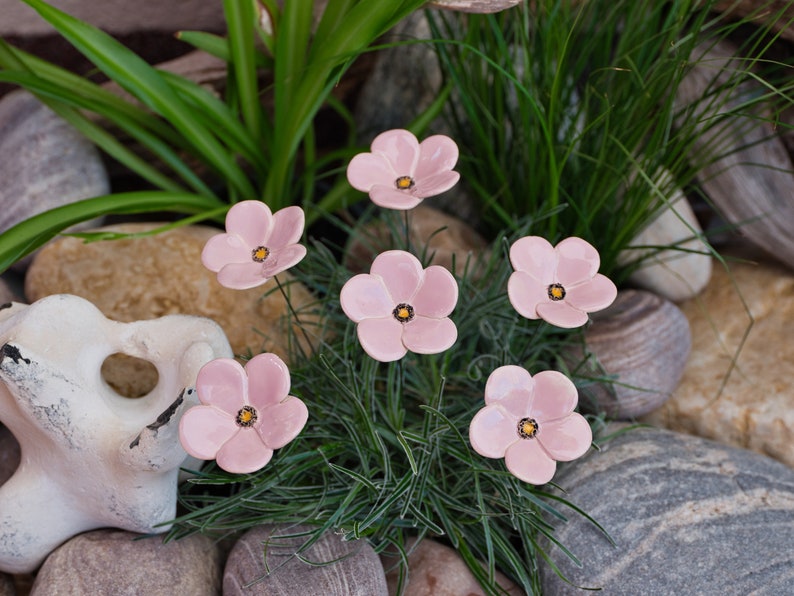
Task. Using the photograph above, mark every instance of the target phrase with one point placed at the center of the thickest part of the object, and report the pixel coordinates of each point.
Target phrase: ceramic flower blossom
(246, 413)
(559, 284)
(400, 306)
(400, 171)
(530, 422)
(257, 245)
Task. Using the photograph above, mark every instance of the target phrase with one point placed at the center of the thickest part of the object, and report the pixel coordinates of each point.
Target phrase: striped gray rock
(689, 516)
(358, 572)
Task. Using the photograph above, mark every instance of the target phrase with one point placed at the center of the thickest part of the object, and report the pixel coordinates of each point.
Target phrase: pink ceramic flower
(247, 413)
(557, 284)
(400, 306)
(530, 422)
(257, 245)
(401, 171)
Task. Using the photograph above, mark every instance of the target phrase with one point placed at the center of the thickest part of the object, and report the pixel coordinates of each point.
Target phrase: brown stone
(115, 16)
(438, 570)
(148, 277)
(7, 585)
(117, 562)
(355, 570)
(738, 385)
(445, 238)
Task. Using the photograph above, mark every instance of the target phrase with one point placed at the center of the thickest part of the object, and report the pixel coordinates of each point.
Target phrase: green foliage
(385, 455)
(248, 151)
(571, 106)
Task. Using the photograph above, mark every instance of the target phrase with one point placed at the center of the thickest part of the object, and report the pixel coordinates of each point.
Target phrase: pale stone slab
(754, 408)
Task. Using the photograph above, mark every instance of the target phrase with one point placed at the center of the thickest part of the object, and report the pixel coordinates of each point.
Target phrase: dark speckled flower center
(260, 253)
(246, 417)
(404, 183)
(527, 428)
(556, 292)
(403, 312)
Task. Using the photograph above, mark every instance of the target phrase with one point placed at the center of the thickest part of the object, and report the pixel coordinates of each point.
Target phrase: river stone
(123, 563)
(144, 278)
(44, 162)
(676, 273)
(689, 516)
(750, 405)
(358, 572)
(443, 237)
(9, 454)
(438, 570)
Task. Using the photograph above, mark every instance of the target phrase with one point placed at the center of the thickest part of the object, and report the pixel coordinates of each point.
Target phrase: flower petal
(435, 185)
(437, 154)
(268, 380)
(578, 261)
(536, 257)
(424, 335)
(527, 461)
(506, 379)
(401, 148)
(525, 294)
(438, 293)
(401, 273)
(389, 197)
(222, 383)
(561, 314)
(223, 249)
(593, 295)
(492, 431)
(283, 422)
(287, 229)
(244, 453)
(251, 220)
(366, 170)
(567, 438)
(282, 259)
(204, 429)
(382, 338)
(555, 396)
(364, 296)
(242, 276)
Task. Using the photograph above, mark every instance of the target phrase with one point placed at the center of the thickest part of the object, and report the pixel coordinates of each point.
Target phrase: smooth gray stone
(356, 572)
(689, 516)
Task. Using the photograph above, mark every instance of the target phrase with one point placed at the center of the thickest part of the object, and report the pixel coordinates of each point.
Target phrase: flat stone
(358, 572)
(749, 405)
(121, 563)
(115, 16)
(438, 570)
(148, 277)
(689, 516)
(44, 162)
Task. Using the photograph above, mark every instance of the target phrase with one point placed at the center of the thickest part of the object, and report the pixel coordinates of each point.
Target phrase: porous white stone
(91, 458)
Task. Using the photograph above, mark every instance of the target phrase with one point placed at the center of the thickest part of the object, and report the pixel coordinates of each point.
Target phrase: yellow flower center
(246, 417)
(527, 428)
(556, 292)
(260, 253)
(403, 312)
(404, 183)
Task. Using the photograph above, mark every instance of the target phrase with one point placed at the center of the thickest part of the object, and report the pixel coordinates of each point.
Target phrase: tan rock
(117, 562)
(748, 404)
(443, 237)
(147, 277)
(438, 570)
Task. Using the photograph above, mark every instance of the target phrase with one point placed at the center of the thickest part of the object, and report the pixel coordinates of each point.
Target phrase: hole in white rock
(129, 376)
